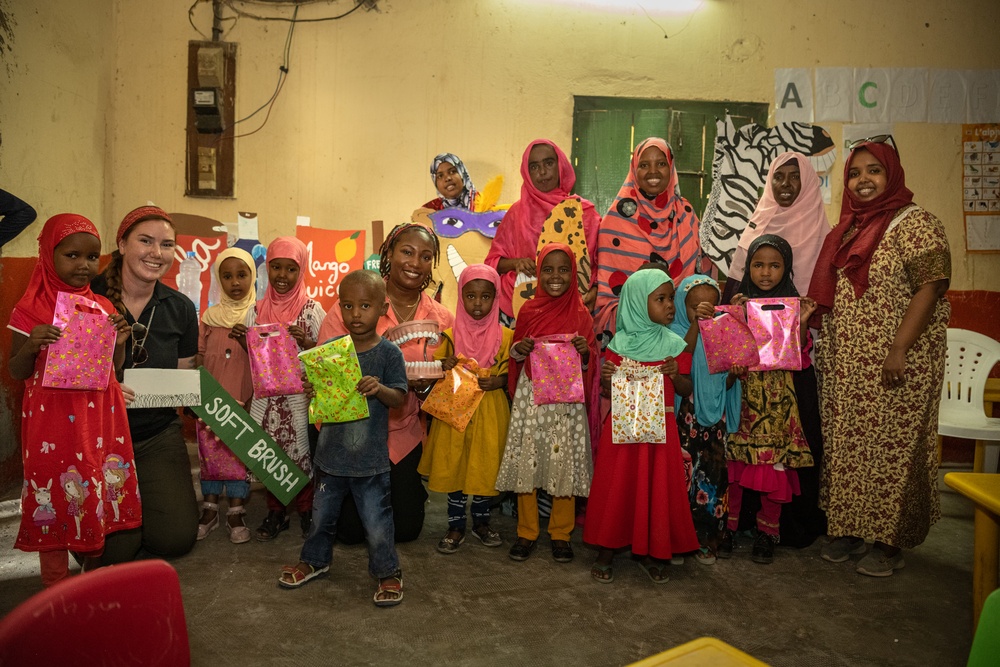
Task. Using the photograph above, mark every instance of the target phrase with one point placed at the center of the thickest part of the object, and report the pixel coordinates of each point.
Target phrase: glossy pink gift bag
(727, 340)
(774, 324)
(83, 356)
(556, 370)
(274, 361)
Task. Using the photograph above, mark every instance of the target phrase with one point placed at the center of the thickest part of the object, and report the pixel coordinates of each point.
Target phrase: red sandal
(391, 586)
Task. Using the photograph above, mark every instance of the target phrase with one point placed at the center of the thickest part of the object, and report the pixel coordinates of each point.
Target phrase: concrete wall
(93, 106)
(92, 96)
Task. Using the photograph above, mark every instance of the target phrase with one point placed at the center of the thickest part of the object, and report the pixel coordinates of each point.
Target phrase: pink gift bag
(556, 371)
(774, 324)
(217, 461)
(274, 361)
(83, 356)
(727, 340)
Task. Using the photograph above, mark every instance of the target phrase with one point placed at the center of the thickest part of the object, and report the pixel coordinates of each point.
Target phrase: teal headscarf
(711, 398)
(637, 337)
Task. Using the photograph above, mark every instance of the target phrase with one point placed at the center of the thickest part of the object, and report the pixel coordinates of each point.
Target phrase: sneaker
(878, 564)
(449, 545)
(487, 535)
(725, 548)
(842, 548)
(763, 549)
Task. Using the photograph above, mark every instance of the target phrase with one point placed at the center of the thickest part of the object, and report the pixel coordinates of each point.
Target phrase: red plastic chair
(128, 614)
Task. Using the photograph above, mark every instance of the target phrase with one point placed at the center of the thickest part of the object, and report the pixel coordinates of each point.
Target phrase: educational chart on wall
(981, 186)
(886, 95)
(333, 253)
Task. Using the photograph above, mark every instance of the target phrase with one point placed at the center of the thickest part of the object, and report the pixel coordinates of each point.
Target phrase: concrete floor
(478, 607)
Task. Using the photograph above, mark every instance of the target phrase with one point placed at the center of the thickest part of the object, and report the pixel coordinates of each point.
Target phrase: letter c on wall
(862, 98)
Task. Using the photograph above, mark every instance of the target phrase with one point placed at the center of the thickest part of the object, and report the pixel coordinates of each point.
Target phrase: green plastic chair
(986, 644)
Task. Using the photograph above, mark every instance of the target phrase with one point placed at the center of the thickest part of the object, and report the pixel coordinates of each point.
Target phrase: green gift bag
(334, 372)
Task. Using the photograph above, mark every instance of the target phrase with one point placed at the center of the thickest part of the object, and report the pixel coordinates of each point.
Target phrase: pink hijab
(478, 339)
(517, 235)
(803, 224)
(285, 308)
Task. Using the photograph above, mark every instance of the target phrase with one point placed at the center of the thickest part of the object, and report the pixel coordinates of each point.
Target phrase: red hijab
(870, 220)
(285, 308)
(544, 315)
(517, 235)
(39, 301)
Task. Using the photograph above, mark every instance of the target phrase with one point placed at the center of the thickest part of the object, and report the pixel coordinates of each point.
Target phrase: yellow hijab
(229, 312)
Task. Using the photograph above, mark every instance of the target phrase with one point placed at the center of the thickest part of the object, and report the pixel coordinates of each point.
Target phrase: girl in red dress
(68, 435)
(638, 497)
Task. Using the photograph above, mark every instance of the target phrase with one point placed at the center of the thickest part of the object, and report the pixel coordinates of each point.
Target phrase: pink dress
(228, 363)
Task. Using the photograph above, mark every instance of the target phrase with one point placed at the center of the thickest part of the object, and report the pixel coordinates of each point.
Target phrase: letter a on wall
(793, 95)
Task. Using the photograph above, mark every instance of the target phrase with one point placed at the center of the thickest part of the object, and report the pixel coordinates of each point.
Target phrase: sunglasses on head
(877, 139)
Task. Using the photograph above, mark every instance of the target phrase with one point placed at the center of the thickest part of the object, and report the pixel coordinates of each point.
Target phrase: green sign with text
(251, 444)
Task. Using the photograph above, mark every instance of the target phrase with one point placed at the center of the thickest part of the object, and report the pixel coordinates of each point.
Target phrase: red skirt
(639, 497)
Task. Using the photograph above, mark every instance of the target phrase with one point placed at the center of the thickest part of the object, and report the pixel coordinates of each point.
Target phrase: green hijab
(637, 337)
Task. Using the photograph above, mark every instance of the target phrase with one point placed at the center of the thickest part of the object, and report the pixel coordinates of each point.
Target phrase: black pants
(408, 500)
(169, 506)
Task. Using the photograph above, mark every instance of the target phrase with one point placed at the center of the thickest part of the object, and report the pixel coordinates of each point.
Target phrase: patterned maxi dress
(879, 477)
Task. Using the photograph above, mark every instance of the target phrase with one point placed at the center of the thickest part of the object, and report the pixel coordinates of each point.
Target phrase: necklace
(410, 313)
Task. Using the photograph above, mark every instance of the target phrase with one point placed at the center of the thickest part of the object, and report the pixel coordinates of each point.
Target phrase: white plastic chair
(971, 357)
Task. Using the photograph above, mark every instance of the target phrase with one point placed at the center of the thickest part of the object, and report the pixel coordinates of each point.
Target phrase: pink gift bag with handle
(727, 340)
(774, 324)
(83, 356)
(556, 370)
(274, 361)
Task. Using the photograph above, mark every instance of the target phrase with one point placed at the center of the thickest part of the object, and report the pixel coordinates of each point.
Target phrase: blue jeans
(235, 488)
(371, 494)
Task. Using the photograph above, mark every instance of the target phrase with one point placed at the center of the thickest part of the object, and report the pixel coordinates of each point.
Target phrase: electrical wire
(282, 75)
(240, 12)
(191, 19)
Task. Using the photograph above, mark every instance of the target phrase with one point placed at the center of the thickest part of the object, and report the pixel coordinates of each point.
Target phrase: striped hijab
(637, 230)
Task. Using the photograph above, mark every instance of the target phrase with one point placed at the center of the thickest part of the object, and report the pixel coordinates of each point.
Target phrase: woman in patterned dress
(880, 282)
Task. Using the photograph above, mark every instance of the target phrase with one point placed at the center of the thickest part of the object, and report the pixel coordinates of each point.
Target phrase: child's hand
(368, 385)
(42, 335)
(449, 363)
(737, 371)
(807, 307)
(704, 311)
(607, 370)
(580, 343)
(238, 331)
(129, 394)
(491, 383)
(307, 386)
(739, 299)
(300, 336)
(525, 346)
(122, 328)
(669, 367)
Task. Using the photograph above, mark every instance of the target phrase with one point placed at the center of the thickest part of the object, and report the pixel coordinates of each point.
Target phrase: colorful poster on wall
(981, 186)
(207, 238)
(333, 253)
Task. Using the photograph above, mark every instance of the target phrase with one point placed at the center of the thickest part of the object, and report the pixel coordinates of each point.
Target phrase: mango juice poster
(333, 253)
